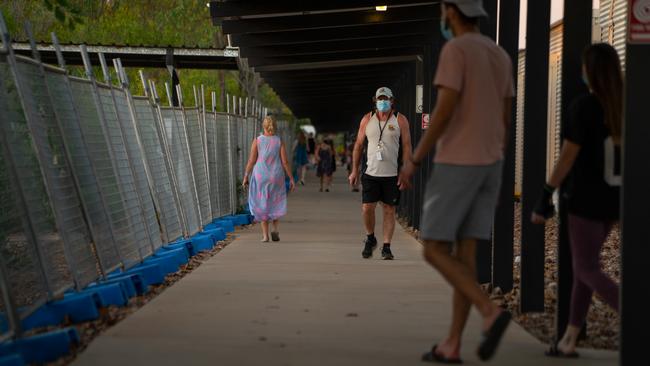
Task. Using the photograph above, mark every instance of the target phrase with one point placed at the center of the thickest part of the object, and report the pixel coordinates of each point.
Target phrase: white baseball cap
(470, 8)
(384, 91)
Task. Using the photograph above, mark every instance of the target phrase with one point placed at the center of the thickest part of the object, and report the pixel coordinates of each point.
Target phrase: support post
(534, 166)
(171, 67)
(484, 247)
(635, 200)
(503, 236)
(576, 36)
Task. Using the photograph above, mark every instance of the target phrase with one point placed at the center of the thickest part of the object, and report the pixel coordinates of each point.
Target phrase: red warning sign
(639, 21)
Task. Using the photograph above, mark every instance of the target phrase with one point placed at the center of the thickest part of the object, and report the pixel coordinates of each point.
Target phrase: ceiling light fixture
(381, 7)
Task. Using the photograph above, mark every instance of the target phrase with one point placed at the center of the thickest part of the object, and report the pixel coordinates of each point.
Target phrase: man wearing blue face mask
(387, 134)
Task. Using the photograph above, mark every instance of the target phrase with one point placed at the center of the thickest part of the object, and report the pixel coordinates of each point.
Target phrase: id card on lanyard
(380, 144)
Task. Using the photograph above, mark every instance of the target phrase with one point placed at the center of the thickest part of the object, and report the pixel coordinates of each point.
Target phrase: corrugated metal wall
(613, 24)
(609, 25)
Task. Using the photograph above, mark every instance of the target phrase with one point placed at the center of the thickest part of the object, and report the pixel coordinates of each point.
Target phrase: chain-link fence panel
(65, 224)
(23, 284)
(95, 133)
(177, 141)
(140, 173)
(241, 146)
(213, 162)
(197, 151)
(224, 164)
(95, 207)
(183, 139)
(158, 167)
(236, 170)
(127, 182)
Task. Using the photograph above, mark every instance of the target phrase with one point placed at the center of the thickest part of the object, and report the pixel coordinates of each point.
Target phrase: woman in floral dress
(267, 197)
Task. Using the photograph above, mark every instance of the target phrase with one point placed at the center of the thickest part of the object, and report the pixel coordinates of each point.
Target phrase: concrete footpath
(307, 300)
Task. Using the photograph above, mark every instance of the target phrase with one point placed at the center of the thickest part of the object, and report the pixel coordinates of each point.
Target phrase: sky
(556, 14)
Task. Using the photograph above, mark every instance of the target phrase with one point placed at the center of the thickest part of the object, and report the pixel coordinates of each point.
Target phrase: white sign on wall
(419, 96)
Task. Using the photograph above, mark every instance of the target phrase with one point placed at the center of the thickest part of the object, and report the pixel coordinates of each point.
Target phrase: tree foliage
(134, 22)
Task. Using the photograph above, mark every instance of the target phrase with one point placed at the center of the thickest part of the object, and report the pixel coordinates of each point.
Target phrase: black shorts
(382, 189)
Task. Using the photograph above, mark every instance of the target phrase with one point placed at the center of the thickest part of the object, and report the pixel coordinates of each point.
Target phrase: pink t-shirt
(481, 72)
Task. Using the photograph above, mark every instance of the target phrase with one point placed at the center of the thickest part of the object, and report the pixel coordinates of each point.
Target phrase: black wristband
(549, 188)
(544, 205)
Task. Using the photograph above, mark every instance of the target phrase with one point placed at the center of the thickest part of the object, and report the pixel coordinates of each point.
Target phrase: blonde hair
(269, 125)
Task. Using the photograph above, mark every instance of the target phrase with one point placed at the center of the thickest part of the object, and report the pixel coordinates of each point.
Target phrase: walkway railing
(95, 180)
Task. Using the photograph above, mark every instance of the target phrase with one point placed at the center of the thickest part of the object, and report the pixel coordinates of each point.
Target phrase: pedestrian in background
(587, 168)
(311, 149)
(300, 159)
(387, 134)
(265, 177)
(325, 164)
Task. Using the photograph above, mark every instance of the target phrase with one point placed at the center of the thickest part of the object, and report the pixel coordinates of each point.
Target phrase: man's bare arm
(358, 145)
(405, 132)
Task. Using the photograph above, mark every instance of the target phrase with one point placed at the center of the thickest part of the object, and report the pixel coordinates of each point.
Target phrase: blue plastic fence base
(201, 243)
(234, 219)
(42, 348)
(127, 283)
(169, 261)
(217, 234)
(134, 283)
(110, 294)
(151, 273)
(239, 220)
(78, 307)
(12, 360)
(226, 225)
(4, 323)
(180, 254)
(182, 244)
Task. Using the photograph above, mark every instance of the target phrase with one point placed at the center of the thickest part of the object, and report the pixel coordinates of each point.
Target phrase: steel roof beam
(261, 9)
(424, 27)
(373, 44)
(328, 60)
(284, 23)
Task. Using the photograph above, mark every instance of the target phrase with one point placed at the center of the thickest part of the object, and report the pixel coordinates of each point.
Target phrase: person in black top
(588, 161)
(311, 149)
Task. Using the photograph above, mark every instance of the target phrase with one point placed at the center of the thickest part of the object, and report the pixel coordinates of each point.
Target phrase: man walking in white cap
(388, 135)
(469, 125)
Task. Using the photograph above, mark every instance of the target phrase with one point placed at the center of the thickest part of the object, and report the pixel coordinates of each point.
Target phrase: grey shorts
(460, 202)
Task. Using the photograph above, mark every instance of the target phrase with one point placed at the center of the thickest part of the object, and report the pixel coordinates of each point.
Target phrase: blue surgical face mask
(383, 105)
(445, 30)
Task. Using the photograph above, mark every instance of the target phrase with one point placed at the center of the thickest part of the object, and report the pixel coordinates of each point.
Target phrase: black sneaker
(386, 253)
(369, 247)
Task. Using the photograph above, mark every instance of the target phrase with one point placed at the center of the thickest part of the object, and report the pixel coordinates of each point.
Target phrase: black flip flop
(554, 351)
(432, 356)
(492, 337)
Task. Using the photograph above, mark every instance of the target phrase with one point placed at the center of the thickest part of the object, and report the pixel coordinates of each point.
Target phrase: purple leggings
(587, 238)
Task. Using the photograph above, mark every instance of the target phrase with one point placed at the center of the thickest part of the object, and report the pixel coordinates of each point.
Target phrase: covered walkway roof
(325, 59)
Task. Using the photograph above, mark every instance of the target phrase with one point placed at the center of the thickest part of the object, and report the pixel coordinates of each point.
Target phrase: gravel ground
(602, 321)
(113, 315)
